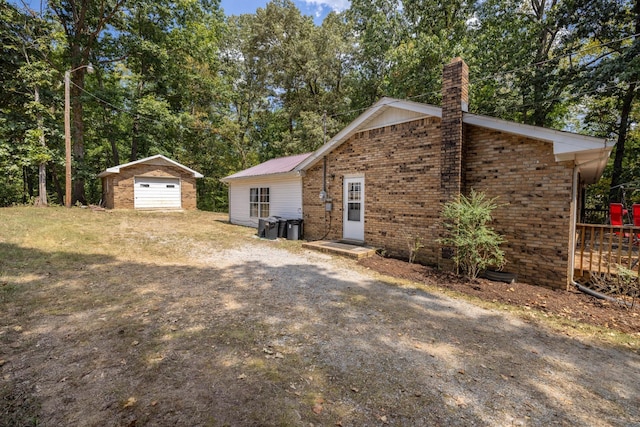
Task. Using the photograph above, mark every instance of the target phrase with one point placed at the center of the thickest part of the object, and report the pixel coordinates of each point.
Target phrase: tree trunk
(615, 191)
(57, 185)
(42, 167)
(134, 139)
(77, 132)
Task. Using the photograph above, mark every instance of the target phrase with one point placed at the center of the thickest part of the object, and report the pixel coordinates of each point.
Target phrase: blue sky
(316, 8)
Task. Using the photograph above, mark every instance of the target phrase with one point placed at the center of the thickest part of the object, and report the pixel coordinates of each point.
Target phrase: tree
(517, 60)
(28, 41)
(477, 246)
(379, 28)
(83, 22)
(618, 69)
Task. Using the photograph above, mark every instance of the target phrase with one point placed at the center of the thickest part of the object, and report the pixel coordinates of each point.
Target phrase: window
(259, 203)
(354, 202)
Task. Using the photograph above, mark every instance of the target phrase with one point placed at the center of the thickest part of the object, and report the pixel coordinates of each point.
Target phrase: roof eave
(292, 173)
(116, 169)
(591, 163)
(356, 125)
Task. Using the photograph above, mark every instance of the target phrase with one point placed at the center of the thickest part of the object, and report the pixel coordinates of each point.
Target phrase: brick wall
(401, 165)
(121, 185)
(536, 193)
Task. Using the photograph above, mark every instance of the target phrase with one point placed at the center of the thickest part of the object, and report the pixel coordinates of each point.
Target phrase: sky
(316, 8)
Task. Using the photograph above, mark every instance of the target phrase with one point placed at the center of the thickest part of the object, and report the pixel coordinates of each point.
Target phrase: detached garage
(156, 182)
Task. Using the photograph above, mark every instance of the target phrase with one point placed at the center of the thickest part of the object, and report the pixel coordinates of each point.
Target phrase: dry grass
(141, 318)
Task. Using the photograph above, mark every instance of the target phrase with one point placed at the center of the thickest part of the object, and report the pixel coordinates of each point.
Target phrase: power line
(422, 95)
(557, 58)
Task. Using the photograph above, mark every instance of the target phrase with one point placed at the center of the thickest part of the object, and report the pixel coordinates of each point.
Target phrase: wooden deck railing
(603, 249)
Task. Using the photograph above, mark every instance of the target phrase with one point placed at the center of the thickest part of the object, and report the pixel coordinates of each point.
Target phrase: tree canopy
(222, 93)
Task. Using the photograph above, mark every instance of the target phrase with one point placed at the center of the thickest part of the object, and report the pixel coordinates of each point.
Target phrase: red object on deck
(635, 211)
(616, 214)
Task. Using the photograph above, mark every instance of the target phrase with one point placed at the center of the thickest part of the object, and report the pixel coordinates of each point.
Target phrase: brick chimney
(455, 100)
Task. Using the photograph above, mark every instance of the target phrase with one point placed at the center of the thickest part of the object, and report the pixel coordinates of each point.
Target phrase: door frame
(353, 230)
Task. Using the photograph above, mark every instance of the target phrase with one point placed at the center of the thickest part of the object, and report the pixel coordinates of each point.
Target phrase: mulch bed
(571, 304)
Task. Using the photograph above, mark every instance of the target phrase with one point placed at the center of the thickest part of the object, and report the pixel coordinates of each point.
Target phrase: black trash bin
(261, 227)
(294, 229)
(282, 227)
(271, 228)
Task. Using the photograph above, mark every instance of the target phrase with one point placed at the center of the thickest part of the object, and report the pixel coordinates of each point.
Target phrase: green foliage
(477, 246)
(223, 94)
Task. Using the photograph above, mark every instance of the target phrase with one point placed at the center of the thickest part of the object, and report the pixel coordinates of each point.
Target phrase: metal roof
(270, 167)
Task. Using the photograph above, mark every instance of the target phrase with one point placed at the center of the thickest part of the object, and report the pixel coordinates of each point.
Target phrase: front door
(353, 221)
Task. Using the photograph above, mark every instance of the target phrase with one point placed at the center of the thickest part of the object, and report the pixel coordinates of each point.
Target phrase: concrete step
(340, 248)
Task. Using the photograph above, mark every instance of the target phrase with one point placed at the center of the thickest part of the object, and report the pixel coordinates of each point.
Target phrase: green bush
(476, 245)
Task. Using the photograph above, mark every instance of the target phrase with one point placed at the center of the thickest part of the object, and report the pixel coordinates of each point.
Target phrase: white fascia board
(292, 174)
(360, 123)
(116, 169)
(563, 142)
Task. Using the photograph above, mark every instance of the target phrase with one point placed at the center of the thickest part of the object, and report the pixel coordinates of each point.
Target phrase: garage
(154, 193)
(155, 182)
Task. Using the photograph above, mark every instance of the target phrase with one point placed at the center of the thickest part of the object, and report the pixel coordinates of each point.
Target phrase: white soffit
(563, 142)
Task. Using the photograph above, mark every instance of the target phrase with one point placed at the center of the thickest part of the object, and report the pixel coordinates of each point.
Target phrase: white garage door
(154, 192)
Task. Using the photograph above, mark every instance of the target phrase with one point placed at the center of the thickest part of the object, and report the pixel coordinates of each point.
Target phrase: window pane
(253, 210)
(354, 191)
(353, 212)
(265, 211)
(264, 195)
(253, 196)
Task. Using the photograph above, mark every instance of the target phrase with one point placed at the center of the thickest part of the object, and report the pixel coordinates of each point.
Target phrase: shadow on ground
(93, 340)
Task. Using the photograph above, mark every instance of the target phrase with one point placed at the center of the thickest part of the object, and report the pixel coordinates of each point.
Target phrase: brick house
(385, 176)
(155, 182)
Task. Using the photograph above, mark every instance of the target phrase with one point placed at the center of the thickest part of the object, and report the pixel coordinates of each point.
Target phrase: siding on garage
(285, 198)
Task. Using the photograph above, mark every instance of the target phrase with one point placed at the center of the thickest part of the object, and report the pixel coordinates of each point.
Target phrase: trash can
(282, 227)
(271, 228)
(261, 227)
(294, 229)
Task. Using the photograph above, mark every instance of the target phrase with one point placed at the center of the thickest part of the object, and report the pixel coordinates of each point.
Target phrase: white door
(154, 193)
(353, 221)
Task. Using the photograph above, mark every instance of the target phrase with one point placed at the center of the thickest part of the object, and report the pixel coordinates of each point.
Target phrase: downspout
(324, 178)
(324, 159)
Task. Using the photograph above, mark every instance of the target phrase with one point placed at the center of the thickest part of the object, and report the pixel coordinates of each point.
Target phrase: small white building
(272, 188)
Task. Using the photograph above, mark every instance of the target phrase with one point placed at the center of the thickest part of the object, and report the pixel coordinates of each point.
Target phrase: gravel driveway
(260, 335)
(406, 357)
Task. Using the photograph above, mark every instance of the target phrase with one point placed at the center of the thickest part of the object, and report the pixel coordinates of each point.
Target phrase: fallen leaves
(318, 406)
(130, 402)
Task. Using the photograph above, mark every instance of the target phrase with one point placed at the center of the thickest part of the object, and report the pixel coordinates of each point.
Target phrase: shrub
(414, 243)
(476, 245)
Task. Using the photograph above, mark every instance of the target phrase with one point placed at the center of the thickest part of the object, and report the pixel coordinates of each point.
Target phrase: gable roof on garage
(157, 160)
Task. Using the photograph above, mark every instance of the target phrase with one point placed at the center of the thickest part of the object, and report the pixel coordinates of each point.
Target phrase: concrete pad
(340, 248)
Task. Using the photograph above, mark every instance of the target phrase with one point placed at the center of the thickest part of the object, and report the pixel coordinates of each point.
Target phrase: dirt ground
(572, 304)
(119, 319)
